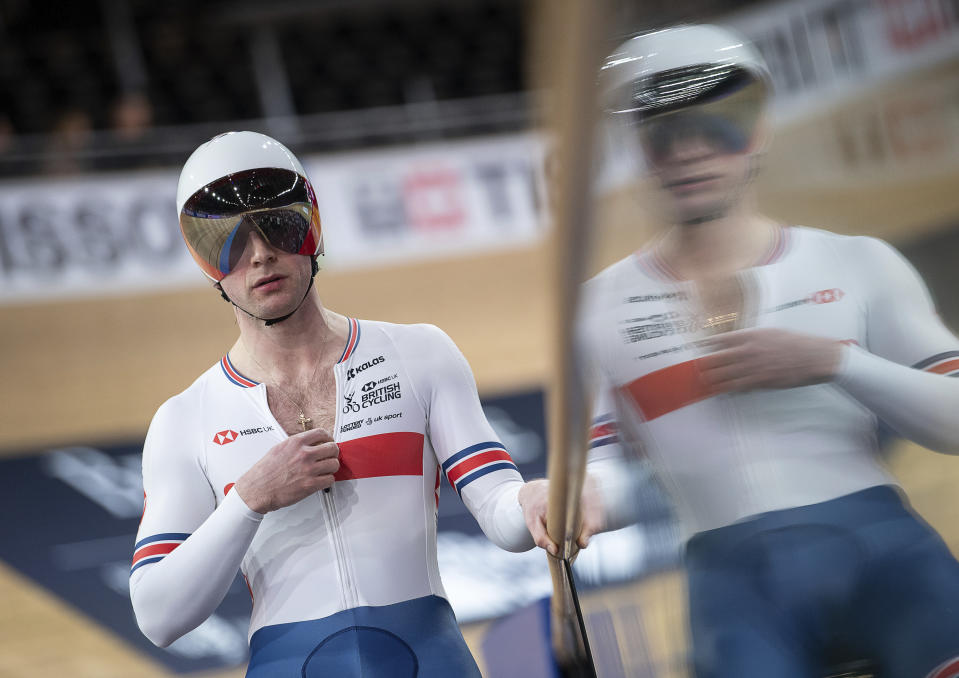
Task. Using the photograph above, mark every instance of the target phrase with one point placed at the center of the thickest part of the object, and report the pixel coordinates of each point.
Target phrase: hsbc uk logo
(820, 297)
(229, 435)
(826, 296)
(225, 437)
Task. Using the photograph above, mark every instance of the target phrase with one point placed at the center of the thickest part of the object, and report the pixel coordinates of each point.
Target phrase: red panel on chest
(386, 454)
(668, 389)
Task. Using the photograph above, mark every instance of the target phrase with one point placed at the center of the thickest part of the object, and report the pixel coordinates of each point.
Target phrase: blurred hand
(759, 358)
(293, 469)
(534, 498)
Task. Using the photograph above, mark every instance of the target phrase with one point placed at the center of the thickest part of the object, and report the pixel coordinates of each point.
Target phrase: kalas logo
(353, 371)
(225, 437)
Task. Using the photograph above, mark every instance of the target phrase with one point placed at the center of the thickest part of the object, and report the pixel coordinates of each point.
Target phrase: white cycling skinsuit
(344, 582)
(800, 544)
(724, 457)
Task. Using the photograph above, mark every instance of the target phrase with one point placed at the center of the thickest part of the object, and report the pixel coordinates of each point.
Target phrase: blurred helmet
(710, 75)
(240, 182)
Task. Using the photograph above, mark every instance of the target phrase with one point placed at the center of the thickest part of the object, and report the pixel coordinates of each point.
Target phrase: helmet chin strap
(273, 321)
(703, 218)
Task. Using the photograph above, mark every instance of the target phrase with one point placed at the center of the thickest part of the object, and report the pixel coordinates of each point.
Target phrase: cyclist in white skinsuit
(749, 362)
(318, 478)
(727, 456)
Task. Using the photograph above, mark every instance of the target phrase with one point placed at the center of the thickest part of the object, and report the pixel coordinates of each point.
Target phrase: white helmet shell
(229, 153)
(703, 45)
(231, 178)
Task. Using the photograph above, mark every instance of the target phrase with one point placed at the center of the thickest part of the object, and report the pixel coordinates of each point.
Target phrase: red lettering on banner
(916, 127)
(911, 23)
(386, 454)
(669, 389)
(434, 199)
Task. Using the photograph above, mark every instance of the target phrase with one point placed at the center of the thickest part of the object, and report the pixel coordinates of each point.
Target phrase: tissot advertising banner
(117, 233)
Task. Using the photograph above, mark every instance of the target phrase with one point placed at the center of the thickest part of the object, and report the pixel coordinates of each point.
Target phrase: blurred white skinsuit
(749, 361)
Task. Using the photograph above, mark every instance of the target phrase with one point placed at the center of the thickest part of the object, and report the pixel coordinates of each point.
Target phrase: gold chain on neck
(304, 421)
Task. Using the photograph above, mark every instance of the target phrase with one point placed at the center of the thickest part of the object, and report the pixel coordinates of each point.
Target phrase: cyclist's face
(265, 280)
(702, 161)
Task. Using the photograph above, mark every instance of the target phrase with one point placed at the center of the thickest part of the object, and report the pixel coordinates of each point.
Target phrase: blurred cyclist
(749, 361)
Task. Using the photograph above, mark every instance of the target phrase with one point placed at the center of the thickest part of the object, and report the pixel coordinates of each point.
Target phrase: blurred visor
(724, 113)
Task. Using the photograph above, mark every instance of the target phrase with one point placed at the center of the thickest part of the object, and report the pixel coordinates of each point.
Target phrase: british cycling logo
(375, 395)
(370, 385)
(229, 435)
(353, 371)
(656, 326)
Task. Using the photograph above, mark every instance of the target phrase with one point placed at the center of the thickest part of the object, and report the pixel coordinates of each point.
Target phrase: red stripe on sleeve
(153, 550)
(602, 430)
(386, 454)
(470, 463)
(668, 389)
(947, 670)
(946, 367)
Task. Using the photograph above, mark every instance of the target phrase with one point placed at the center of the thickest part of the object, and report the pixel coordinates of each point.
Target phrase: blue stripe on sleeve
(147, 561)
(164, 536)
(488, 445)
(479, 473)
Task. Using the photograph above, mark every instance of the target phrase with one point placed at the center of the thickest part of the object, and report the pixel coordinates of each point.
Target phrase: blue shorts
(417, 638)
(792, 592)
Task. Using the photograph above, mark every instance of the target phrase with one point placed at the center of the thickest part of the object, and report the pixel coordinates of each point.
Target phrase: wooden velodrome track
(72, 370)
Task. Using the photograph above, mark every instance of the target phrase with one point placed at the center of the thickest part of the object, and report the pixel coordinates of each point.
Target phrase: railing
(325, 132)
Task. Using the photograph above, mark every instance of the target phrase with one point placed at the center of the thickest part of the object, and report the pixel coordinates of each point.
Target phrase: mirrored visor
(276, 203)
(678, 88)
(727, 122)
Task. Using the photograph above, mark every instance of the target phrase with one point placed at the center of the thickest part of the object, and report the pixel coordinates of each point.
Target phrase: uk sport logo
(225, 437)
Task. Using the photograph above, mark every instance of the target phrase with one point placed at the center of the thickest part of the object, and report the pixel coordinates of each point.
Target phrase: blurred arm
(616, 480)
(903, 373)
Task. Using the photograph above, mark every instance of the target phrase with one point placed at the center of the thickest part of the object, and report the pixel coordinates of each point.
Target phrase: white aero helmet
(239, 182)
(675, 67)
